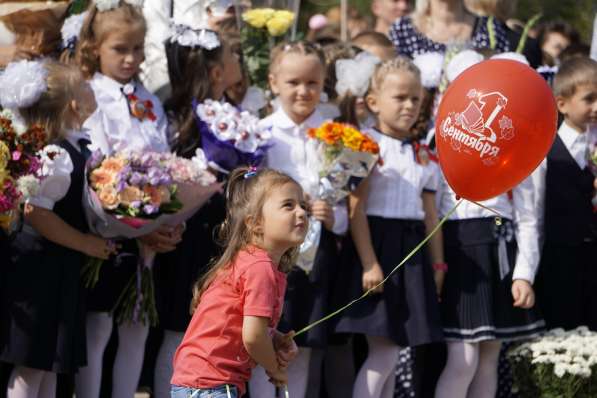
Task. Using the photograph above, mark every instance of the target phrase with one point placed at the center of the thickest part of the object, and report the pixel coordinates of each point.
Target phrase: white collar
(569, 135)
(109, 85)
(282, 121)
(76, 135)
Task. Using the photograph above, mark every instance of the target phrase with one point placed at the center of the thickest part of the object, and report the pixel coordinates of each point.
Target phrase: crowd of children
(228, 295)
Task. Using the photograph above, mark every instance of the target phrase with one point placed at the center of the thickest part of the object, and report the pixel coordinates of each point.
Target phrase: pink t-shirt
(212, 351)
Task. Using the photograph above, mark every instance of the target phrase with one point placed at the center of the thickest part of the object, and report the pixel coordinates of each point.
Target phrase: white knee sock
(129, 359)
(484, 384)
(377, 368)
(339, 370)
(163, 364)
(298, 373)
(89, 379)
(460, 369)
(24, 382)
(259, 385)
(47, 388)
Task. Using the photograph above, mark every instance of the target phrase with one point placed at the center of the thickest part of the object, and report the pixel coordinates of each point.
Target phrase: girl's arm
(359, 230)
(54, 229)
(259, 345)
(436, 243)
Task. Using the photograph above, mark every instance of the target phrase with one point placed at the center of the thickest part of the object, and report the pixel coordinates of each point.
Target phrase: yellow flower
(4, 155)
(258, 17)
(279, 24)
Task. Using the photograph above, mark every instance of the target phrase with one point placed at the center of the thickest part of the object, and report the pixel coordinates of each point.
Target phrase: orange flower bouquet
(342, 156)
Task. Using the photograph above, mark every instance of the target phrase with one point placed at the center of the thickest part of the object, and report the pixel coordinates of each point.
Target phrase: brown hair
(372, 38)
(398, 64)
(245, 198)
(96, 28)
(50, 111)
(573, 73)
(296, 47)
(188, 70)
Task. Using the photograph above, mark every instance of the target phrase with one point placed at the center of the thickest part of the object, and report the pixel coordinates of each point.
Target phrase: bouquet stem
(90, 272)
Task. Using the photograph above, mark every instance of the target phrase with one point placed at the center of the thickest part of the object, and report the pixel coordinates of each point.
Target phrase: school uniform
(484, 257)
(567, 279)
(42, 318)
(112, 128)
(407, 311)
(307, 294)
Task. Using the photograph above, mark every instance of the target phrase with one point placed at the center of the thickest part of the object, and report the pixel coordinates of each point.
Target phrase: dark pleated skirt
(307, 295)
(567, 285)
(42, 313)
(476, 302)
(114, 276)
(407, 311)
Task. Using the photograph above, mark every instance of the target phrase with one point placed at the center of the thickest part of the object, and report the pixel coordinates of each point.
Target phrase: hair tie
(23, 83)
(186, 36)
(252, 172)
(354, 74)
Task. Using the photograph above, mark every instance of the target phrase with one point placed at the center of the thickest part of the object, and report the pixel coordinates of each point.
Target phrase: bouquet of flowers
(230, 138)
(20, 165)
(264, 27)
(558, 364)
(130, 195)
(343, 156)
(592, 140)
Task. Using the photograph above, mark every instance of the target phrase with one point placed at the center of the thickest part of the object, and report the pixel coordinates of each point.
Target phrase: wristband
(440, 267)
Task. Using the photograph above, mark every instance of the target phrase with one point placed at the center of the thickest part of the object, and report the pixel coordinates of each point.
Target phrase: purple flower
(95, 159)
(136, 204)
(137, 179)
(150, 209)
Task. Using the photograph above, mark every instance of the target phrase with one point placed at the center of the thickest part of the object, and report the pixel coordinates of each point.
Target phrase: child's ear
(254, 225)
(371, 101)
(272, 83)
(562, 104)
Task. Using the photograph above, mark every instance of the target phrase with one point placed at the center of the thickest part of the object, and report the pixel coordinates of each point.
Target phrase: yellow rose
(284, 14)
(277, 26)
(258, 17)
(4, 155)
(109, 197)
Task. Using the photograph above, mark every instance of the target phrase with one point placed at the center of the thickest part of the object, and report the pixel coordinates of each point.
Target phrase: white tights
(298, 377)
(377, 376)
(163, 365)
(128, 362)
(31, 383)
(471, 370)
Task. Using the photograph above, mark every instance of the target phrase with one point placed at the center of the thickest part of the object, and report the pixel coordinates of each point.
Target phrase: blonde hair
(96, 28)
(572, 73)
(398, 64)
(245, 197)
(50, 111)
(297, 47)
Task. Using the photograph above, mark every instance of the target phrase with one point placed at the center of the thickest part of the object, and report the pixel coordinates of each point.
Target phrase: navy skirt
(307, 295)
(407, 311)
(476, 301)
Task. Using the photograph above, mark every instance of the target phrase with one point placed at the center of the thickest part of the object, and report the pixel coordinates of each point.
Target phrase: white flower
(71, 29)
(199, 159)
(431, 65)
(106, 5)
(186, 36)
(559, 369)
(28, 186)
(22, 84)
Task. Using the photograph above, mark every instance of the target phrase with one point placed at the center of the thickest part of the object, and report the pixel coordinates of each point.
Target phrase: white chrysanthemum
(28, 186)
(431, 65)
(22, 84)
(461, 62)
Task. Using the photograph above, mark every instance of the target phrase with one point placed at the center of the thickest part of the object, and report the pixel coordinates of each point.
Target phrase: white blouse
(111, 128)
(289, 155)
(520, 209)
(396, 186)
(56, 174)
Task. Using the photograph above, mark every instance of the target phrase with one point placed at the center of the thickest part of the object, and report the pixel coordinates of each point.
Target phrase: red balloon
(495, 124)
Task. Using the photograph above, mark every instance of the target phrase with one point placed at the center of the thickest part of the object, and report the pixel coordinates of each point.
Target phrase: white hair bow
(71, 29)
(512, 56)
(185, 36)
(431, 65)
(354, 74)
(22, 83)
(462, 61)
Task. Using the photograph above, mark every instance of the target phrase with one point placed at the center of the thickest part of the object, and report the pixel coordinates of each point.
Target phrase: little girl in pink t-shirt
(238, 303)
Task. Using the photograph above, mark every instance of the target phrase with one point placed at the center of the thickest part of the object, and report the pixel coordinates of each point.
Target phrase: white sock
(24, 382)
(129, 359)
(298, 373)
(163, 364)
(460, 369)
(379, 366)
(259, 385)
(339, 370)
(89, 379)
(484, 384)
(47, 388)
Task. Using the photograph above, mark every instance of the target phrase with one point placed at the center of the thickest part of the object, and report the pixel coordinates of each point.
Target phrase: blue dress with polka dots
(409, 41)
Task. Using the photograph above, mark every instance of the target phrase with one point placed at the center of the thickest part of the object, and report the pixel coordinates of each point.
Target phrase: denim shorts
(223, 391)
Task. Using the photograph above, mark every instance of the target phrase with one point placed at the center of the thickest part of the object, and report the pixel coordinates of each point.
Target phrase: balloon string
(498, 216)
(408, 257)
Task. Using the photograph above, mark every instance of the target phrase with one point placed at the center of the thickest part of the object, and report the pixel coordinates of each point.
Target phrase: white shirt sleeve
(433, 177)
(538, 178)
(155, 68)
(526, 228)
(55, 180)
